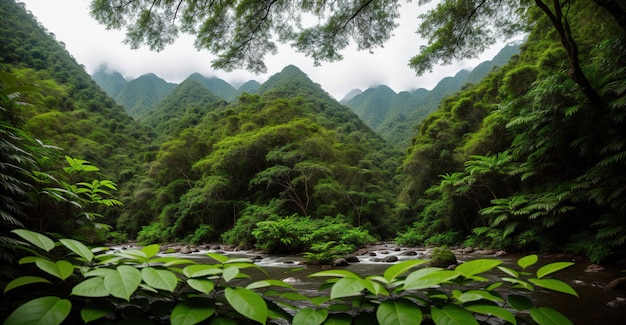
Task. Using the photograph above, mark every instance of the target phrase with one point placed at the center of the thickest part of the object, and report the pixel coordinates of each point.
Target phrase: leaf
(338, 319)
(191, 311)
(554, 284)
(451, 314)
(60, 269)
(399, 311)
(548, 316)
(519, 302)
(392, 272)
(194, 271)
(36, 239)
(223, 321)
(45, 310)
(93, 287)
(247, 303)
(123, 282)
(269, 283)
(473, 295)
(428, 278)
(203, 285)
(527, 261)
(95, 310)
(159, 279)
(551, 268)
(491, 310)
(218, 257)
(335, 273)
(78, 248)
(474, 267)
(151, 250)
(24, 280)
(346, 287)
(509, 271)
(308, 316)
(230, 272)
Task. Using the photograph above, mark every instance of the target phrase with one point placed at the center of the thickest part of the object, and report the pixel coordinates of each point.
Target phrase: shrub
(138, 286)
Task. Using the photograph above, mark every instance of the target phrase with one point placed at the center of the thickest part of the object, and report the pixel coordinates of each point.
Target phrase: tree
(241, 32)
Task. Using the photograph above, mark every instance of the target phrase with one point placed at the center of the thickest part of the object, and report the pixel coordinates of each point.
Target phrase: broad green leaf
(151, 250)
(551, 268)
(78, 248)
(92, 287)
(452, 315)
(428, 278)
(509, 271)
(308, 316)
(474, 267)
(159, 279)
(60, 269)
(269, 283)
(24, 280)
(336, 274)
(396, 270)
(123, 282)
(45, 310)
(230, 272)
(203, 285)
(95, 310)
(244, 260)
(527, 261)
(375, 287)
(134, 254)
(99, 272)
(493, 286)
(519, 302)
(28, 259)
(399, 311)
(36, 239)
(554, 284)
(474, 295)
(191, 311)
(247, 303)
(218, 257)
(520, 283)
(172, 260)
(195, 271)
(318, 301)
(491, 310)
(347, 287)
(548, 316)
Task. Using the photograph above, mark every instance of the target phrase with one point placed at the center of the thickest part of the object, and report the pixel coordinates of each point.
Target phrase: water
(589, 308)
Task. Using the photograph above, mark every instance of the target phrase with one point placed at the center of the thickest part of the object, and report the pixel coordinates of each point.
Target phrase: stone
(215, 247)
(185, 250)
(372, 254)
(352, 259)
(468, 250)
(442, 257)
(340, 262)
(501, 253)
(390, 259)
(618, 302)
(594, 268)
(409, 253)
(384, 252)
(618, 284)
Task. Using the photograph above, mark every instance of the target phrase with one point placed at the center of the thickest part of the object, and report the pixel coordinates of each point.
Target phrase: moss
(442, 257)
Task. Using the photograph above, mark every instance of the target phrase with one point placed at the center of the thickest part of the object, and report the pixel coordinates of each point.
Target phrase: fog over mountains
(394, 116)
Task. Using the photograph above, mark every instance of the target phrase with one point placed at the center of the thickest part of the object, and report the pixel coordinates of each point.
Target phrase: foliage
(326, 253)
(138, 285)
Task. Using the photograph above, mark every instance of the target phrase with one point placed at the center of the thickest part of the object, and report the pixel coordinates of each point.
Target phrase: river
(589, 308)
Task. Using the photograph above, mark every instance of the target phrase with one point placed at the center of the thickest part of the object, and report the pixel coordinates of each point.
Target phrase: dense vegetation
(525, 159)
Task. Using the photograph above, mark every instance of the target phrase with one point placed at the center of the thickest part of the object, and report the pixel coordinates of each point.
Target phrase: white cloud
(92, 46)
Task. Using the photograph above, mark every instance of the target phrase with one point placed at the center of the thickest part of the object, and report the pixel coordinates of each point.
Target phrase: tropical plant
(76, 283)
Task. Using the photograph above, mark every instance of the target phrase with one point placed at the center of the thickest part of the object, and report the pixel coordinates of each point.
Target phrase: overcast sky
(92, 46)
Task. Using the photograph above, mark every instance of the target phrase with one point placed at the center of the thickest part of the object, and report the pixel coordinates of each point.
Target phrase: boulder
(594, 268)
(442, 257)
(618, 284)
(619, 302)
(185, 250)
(501, 253)
(352, 259)
(340, 262)
(390, 259)
(409, 253)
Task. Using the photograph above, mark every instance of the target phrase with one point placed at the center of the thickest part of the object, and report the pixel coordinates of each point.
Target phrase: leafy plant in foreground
(137, 285)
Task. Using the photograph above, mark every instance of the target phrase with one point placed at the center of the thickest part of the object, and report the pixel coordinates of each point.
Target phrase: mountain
(182, 108)
(111, 82)
(140, 95)
(394, 115)
(250, 86)
(216, 85)
(351, 94)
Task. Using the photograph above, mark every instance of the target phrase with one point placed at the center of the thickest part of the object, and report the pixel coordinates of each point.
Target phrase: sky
(93, 46)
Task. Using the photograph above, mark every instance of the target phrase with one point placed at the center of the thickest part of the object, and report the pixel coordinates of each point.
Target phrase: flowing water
(589, 308)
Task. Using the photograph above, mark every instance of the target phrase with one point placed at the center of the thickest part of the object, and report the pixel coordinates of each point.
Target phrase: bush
(202, 234)
(138, 286)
